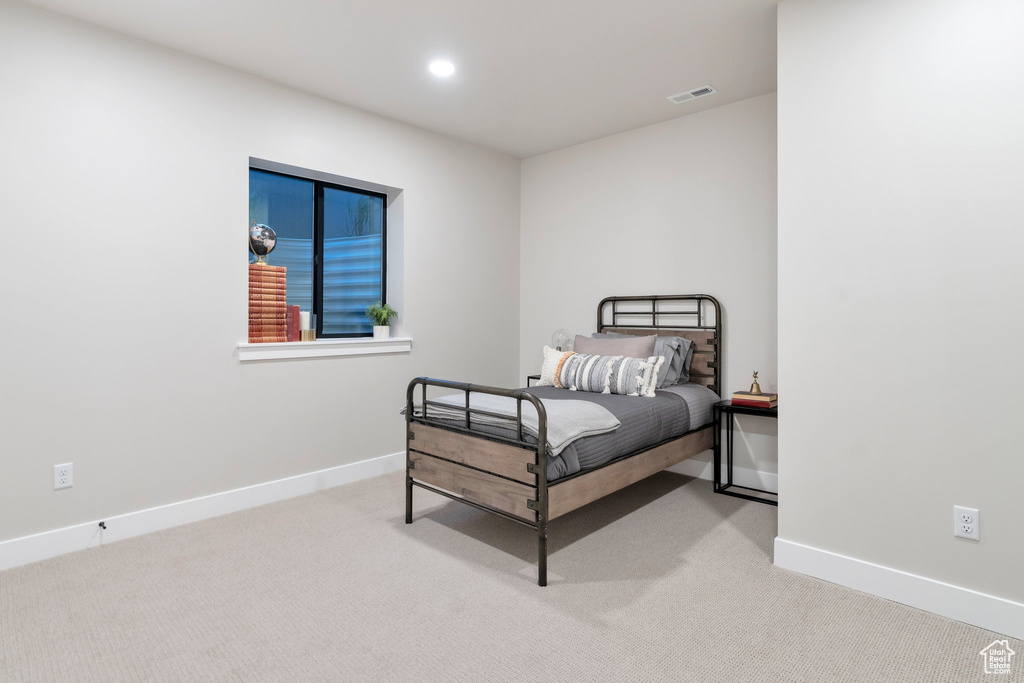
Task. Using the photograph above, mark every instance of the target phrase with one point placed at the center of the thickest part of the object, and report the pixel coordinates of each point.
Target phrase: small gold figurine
(755, 388)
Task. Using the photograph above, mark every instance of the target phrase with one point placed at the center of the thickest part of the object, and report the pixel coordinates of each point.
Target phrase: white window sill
(323, 348)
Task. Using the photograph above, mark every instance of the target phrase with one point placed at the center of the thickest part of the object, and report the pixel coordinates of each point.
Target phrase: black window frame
(318, 247)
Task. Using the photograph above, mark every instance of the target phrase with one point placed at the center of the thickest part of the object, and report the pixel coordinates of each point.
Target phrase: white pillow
(553, 359)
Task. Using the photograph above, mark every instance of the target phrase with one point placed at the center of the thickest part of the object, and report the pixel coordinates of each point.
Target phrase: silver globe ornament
(262, 240)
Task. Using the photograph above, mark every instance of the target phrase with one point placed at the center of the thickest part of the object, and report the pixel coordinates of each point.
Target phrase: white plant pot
(381, 331)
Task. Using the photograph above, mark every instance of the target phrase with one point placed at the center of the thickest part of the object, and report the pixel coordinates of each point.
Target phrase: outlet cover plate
(63, 476)
(966, 523)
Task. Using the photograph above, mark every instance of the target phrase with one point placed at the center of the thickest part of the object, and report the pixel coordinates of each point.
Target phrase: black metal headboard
(678, 315)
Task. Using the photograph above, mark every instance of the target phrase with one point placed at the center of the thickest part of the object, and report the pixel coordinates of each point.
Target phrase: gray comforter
(643, 422)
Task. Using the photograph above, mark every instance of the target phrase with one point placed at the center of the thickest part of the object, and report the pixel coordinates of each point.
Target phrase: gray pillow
(677, 352)
(684, 373)
(631, 346)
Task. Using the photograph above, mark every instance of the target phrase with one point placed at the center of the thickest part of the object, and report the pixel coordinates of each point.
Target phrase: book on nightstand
(745, 398)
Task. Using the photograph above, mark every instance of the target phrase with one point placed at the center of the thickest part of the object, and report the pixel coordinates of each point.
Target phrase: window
(332, 239)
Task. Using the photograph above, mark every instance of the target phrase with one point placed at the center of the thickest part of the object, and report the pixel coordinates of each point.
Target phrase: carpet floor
(663, 581)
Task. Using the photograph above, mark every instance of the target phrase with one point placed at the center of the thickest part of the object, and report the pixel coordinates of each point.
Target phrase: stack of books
(268, 312)
(745, 398)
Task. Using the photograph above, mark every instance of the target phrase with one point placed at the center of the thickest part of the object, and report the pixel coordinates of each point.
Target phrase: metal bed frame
(507, 476)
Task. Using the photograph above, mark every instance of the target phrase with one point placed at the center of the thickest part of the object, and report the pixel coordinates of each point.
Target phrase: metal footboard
(501, 475)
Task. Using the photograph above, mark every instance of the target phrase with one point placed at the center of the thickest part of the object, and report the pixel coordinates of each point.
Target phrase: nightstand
(529, 377)
(730, 411)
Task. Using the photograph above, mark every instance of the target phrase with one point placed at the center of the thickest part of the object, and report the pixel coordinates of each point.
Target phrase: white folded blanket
(568, 420)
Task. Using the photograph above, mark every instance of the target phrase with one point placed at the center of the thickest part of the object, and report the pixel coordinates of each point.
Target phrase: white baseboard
(963, 604)
(741, 476)
(19, 551)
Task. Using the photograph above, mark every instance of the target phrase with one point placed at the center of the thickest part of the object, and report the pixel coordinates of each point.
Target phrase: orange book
(266, 268)
(268, 283)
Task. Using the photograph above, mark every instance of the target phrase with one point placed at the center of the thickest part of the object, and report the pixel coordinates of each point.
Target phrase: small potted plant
(381, 314)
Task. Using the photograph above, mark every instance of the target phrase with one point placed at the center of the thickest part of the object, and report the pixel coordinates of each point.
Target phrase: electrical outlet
(966, 523)
(63, 476)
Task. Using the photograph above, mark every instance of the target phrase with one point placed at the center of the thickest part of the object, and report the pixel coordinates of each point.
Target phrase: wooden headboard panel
(697, 317)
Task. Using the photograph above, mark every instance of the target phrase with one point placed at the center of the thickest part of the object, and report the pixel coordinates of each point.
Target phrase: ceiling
(532, 75)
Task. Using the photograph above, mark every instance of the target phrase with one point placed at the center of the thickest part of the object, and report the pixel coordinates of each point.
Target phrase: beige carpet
(662, 581)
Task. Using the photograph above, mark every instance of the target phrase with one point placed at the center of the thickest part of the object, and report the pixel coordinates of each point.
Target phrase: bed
(499, 459)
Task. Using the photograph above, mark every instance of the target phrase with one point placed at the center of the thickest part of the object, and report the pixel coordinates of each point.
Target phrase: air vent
(692, 94)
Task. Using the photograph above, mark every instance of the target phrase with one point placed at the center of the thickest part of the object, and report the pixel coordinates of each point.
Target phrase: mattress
(672, 412)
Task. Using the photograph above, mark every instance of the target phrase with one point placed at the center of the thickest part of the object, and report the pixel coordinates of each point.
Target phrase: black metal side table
(730, 411)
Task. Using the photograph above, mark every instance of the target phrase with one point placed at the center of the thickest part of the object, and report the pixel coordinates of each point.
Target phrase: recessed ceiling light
(442, 68)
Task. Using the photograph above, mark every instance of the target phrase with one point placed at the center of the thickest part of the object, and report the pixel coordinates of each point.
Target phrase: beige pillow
(633, 347)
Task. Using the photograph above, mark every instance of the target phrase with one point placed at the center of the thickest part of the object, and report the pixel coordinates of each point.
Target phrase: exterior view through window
(332, 240)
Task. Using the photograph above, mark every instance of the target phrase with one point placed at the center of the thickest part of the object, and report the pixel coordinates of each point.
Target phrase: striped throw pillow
(586, 372)
(635, 376)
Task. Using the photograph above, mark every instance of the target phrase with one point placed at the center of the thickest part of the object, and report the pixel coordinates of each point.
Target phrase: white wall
(685, 206)
(901, 283)
(125, 183)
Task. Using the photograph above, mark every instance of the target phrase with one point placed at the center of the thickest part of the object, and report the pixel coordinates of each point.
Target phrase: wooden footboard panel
(576, 492)
(501, 459)
(479, 487)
